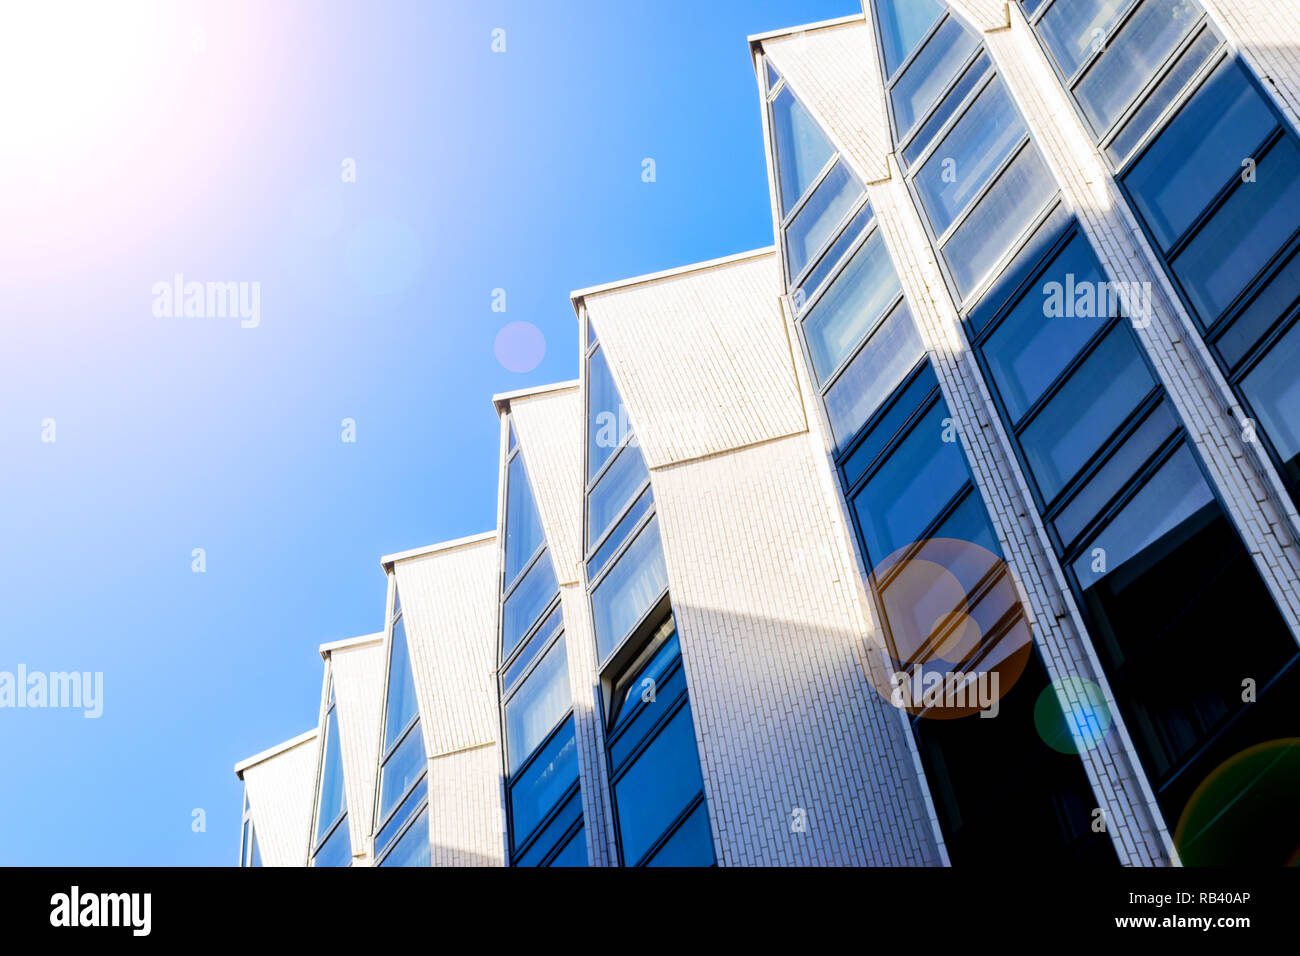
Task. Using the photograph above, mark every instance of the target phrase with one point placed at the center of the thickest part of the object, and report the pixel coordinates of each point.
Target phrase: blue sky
(209, 140)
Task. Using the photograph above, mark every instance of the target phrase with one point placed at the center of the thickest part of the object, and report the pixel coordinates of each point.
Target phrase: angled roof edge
(756, 39)
(330, 646)
(273, 752)
(389, 560)
(577, 296)
(501, 401)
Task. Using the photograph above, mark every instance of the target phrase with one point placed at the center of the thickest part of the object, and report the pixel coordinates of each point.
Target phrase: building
(960, 524)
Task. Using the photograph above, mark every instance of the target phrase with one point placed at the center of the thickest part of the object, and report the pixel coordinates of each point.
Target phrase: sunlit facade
(960, 524)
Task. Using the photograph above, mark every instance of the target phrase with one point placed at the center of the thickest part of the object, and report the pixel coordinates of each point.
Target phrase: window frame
(511, 779)
(317, 842)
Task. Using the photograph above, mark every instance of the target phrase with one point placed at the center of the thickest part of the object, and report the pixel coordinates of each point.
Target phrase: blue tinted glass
(1004, 212)
(1191, 60)
(331, 780)
(891, 421)
(1278, 297)
(403, 768)
(574, 852)
(1022, 266)
(1074, 29)
(403, 814)
(523, 527)
(637, 723)
(526, 604)
(615, 490)
(1086, 411)
(547, 779)
(968, 156)
(542, 700)
(1048, 327)
(535, 643)
(257, 853)
(401, 687)
(1199, 152)
(891, 352)
(1273, 388)
(970, 79)
(607, 421)
(633, 688)
(691, 845)
(1031, 6)
(802, 150)
(920, 476)
(337, 850)
(969, 521)
(932, 70)
(816, 221)
(413, 848)
(1173, 495)
(658, 786)
(1243, 234)
(551, 834)
(624, 527)
(629, 590)
(903, 24)
(772, 76)
(832, 256)
(1123, 464)
(1132, 57)
(852, 305)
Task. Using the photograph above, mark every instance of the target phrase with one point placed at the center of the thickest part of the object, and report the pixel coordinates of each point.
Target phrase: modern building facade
(958, 525)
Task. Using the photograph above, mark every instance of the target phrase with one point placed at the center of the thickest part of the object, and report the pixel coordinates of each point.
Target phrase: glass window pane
(1273, 389)
(628, 691)
(1123, 464)
(1074, 29)
(832, 256)
(548, 778)
(389, 829)
(615, 490)
(574, 852)
(691, 845)
(1279, 296)
(920, 476)
(903, 24)
(401, 686)
(257, 852)
(624, 527)
(527, 602)
(551, 834)
(1174, 493)
(1199, 152)
(1192, 59)
(337, 850)
(772, 76)
(1048, 327)
(658, 786)
(972, 78)
(901, 407)
(969, 155)
(331, 786)
(802, 150)
(816, 221)
(888, 356)
(931, 71)
(1001, 216)
(541, 701)
(403, 768)
(523, 526)
(630, 589)
(1243, 234)
(851, 306)
(607, 421)
(1132, 58)
(541, 637)
(413, 848)
(1086, 411)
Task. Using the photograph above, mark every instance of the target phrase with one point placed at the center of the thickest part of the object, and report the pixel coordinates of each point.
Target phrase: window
(802, 152)
(533, 712)
(249, 854)
(655, 779)
(1159, 572)
(816, 220)
(882, 362)
(1124, 61)
(528, 582)
(540, 791)
(523, 526)
(401, 818)
(332, 845)
(1217, 189)
(902, 25)
(655, 770)
(933, 68)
